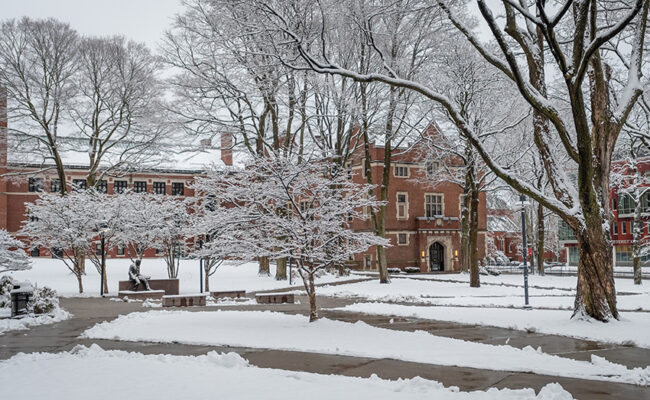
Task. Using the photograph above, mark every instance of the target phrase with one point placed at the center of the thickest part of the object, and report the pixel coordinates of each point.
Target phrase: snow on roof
(174, 153)
(501, 223)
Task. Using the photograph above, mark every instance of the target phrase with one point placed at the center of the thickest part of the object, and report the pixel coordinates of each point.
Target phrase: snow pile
(632, 328)
(10, 324)
(211, 376)
(419, 290)
(294, 332)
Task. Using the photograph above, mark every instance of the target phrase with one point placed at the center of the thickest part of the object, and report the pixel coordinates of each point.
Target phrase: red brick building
(422, 220)
(622, 206)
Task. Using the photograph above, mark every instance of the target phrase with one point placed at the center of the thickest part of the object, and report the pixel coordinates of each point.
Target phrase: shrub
(45, 300)
(412, 270)
(6, 284)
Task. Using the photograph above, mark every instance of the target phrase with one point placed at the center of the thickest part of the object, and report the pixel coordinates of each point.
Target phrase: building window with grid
(402, 238)
(36, 252)
(55, 185)
(433, 205)
(401, 171)
(102, 186)
(367, 260)
(119, 186)
(348, 167)
(159, 188)
(120, 250)
(615, 225)
(140, 186)
(432, 168)
(402, 205)
(626, 204)
(79, 184)
(178, 189)
(35, 184)
(624, 227)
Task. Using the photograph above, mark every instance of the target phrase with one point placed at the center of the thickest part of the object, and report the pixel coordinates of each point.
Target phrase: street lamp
(103, 230)
(522, 198)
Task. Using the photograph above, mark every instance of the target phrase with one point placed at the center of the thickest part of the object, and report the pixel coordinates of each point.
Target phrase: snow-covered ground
(210, 376)
(294, 332)
(10, 324)
(547, 281)
(405, 289)
(53, 273)
(633, 328)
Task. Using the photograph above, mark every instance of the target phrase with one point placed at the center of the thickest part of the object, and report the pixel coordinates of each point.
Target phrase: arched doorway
(436, 257)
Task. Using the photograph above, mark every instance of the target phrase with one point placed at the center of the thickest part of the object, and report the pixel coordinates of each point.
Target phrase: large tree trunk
(207, 282)
(596, 293)
(474, 276)
(311, 292)
(105, 280)
(465, 261)
(264, 267)
(281, 269)
(637, 270)
(540, 239)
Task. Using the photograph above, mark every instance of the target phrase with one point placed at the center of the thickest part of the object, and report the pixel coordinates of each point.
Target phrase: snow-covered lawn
(53, 273)
(294, 332)
(546, 281)
(405, 289)
(210, 376)
(633, 328)
(10, 324)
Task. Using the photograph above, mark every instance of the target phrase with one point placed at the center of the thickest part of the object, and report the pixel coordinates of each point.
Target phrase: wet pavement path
(64, 335)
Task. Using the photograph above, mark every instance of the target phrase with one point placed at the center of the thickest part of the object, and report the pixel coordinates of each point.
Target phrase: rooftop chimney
(226, 148)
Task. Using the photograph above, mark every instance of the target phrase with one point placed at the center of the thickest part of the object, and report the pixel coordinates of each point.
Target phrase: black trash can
(21, 295)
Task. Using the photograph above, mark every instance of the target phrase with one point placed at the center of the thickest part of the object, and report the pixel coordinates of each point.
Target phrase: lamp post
(522, 198)
(103, 229)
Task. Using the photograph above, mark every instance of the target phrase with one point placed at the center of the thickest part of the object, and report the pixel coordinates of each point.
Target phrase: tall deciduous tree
(598, 107)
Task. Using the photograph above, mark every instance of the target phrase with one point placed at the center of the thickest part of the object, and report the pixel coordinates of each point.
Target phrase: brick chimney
(226, 148)
(3, 158)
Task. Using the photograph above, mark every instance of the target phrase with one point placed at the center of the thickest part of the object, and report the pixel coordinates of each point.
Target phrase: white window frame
(442, 204)
(406, 206)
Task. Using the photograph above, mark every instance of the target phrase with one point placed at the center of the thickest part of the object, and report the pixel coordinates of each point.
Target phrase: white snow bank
(10, 324)
(637, 302)
(210, 376)
(53, 273)
(418, 290)
(632, 328)
(546, 281)
(294, 332)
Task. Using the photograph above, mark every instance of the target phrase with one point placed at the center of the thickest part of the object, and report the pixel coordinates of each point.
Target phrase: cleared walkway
(89, 311)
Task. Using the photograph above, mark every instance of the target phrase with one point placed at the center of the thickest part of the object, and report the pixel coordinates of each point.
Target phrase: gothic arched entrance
(436, 257)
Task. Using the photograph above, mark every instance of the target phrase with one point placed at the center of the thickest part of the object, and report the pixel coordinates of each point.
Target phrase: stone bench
(170, 286)
(141, 294)
(274, 298)
(184, 300)
(233, 294)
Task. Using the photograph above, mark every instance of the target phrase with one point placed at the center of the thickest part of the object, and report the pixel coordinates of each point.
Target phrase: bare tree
(598, 107)
(118, 107)
(37, 67)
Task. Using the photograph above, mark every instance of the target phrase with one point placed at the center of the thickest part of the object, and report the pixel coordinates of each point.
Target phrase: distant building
(422, 222)
(622, 206)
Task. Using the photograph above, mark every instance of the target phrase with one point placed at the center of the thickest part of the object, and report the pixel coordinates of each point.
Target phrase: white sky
(140, 20)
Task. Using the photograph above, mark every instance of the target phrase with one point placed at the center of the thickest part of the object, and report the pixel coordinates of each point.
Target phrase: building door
(436, 257)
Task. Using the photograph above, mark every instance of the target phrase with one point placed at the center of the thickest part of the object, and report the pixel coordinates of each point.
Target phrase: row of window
(627, 226)
(432, 205)
(399, 171)
(625, 204)
(120, 186)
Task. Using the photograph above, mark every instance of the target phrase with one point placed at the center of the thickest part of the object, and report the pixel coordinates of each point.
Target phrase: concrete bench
(233, 294)
(170, 286)
(141, 294)
(184, 300)
(274, 298)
